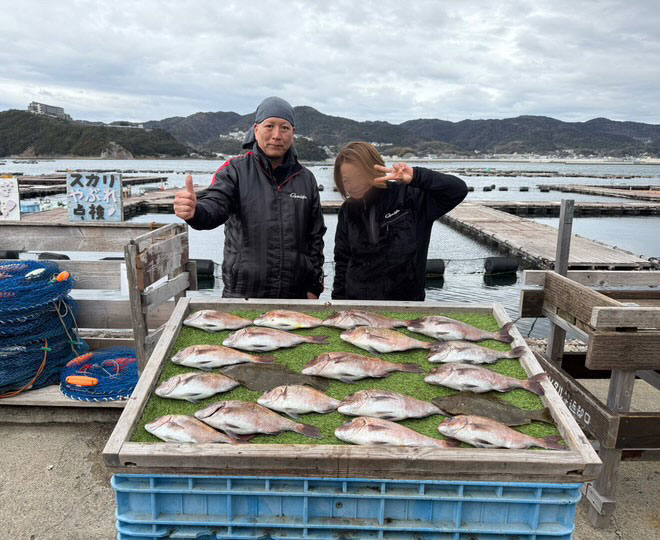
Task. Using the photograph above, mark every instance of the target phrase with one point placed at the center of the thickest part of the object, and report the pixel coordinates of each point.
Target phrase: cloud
(367, 60)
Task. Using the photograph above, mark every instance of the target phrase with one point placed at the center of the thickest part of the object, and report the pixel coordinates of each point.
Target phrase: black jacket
(382, 240)
(274, 226)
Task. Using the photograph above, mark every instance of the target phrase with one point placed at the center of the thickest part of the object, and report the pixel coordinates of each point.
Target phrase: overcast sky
(392, 60)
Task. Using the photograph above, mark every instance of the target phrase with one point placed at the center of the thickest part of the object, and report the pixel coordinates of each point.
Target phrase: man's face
(274, 136)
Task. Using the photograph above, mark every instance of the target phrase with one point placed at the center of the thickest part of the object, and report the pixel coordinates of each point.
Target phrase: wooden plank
(557, 335)
(635, 317)
(600, 278)
(639, 430)
(651, 377)
(574, 298)
(164, 291)
(531, 303)
(101, 275)
(160, 259)
(146, 383)
(40, 236)
(157, 235)
(632, 350)
(103, 342)
(138, 316)
(50, 396)
(566, 325)
(592, 416)
(346, 461)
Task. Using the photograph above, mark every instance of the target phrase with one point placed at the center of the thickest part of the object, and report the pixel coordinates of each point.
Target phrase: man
(270, 204)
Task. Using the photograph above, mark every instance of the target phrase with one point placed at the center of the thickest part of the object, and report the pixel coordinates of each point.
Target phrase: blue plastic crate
(272, 508)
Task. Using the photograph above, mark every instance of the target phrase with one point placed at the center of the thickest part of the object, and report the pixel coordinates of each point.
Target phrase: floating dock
(640, 193)
(536, 243)
(54, 184)
(582, 208)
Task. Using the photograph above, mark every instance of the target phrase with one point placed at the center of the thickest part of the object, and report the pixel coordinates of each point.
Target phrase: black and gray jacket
(274, 226)
(382, 240)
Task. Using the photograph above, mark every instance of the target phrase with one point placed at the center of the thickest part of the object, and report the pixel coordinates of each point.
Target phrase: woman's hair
(362, 155)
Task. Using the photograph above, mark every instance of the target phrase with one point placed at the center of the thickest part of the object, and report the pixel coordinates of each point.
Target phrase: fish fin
(383, 398)
(450, 443)
(503, 335)
(551, 442)
(192, 400)
(516, 352)
(241, 439)
(345, 380)
(376, 427)
(411, 368)
(308, 431)
(264, 359)
(321, 340)
(293, 415)
(534, 384)
(543, 415)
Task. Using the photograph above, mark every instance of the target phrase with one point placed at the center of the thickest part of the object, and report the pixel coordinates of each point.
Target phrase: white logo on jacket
(392, 214)
(298, 196)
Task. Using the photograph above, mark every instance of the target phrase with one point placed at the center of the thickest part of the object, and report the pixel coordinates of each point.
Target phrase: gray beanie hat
(271, 107)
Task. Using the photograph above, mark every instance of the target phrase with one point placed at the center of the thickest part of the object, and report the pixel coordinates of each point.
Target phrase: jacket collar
(290, 161)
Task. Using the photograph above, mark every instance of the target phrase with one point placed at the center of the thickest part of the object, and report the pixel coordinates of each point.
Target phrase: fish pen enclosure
(283, 486)
(618, 315)
(105, 317)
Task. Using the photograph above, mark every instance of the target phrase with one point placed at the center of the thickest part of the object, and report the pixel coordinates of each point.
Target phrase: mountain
(541, 134)
(522, 134)
(27, 134)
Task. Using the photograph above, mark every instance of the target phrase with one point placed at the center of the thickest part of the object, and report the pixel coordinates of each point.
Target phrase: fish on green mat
(467, 403)
(284, 319)
(350, 367)
(382, 340)
(487, 433)
(351, 318)
(446, 329)
(296, 399)
(264, 377)
(215, 321)
(215, 356)
(195, 387)
(386, 405)
(238, 418)
(268, 339)
(477, 379)
(376, 431)
(469, 353)
(180, 428)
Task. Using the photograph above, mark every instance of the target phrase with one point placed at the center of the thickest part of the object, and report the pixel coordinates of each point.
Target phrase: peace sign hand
(399, 172)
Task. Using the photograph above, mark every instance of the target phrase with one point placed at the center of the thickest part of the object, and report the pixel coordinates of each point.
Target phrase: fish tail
(503, 335)
(264, 359)
(516, 352)
(308, 431)
(551, 442)
(411, 368)
(321, 340)
(413, 323)
(533, 384)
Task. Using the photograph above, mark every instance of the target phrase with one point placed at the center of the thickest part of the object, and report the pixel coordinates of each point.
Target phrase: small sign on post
(94, 196)
(10, 208)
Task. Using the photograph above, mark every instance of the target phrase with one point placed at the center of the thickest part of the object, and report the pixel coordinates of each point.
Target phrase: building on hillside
(48, 110)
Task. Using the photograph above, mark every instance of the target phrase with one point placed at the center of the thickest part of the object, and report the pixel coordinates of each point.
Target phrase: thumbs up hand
(185, 200)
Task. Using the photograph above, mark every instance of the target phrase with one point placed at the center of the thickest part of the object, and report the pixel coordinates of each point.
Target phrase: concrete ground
(53, 485)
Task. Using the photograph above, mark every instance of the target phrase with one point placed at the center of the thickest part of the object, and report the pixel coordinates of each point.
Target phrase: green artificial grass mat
(297, 357)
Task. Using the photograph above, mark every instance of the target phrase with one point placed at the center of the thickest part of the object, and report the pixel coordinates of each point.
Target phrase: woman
(384, 225)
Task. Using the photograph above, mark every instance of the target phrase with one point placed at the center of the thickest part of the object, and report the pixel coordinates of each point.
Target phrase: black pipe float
(321, 187)
(503, 188)
(470, 188)
(8, 254)
(501, 265)
(435, 268)
(47, 255)
(488, 188)
(524, 188)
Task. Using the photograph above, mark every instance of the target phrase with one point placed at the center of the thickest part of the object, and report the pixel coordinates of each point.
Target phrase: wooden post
(602, 492)
(557, 335)
(138, 318)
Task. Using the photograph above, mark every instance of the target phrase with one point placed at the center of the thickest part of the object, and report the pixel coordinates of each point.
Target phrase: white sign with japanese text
(94, 196)
(10, 208)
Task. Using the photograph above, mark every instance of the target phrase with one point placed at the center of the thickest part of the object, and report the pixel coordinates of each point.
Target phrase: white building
(48, 110)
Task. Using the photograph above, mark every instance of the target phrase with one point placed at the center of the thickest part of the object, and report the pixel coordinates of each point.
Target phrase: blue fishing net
(38, 334)
(114, 370)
